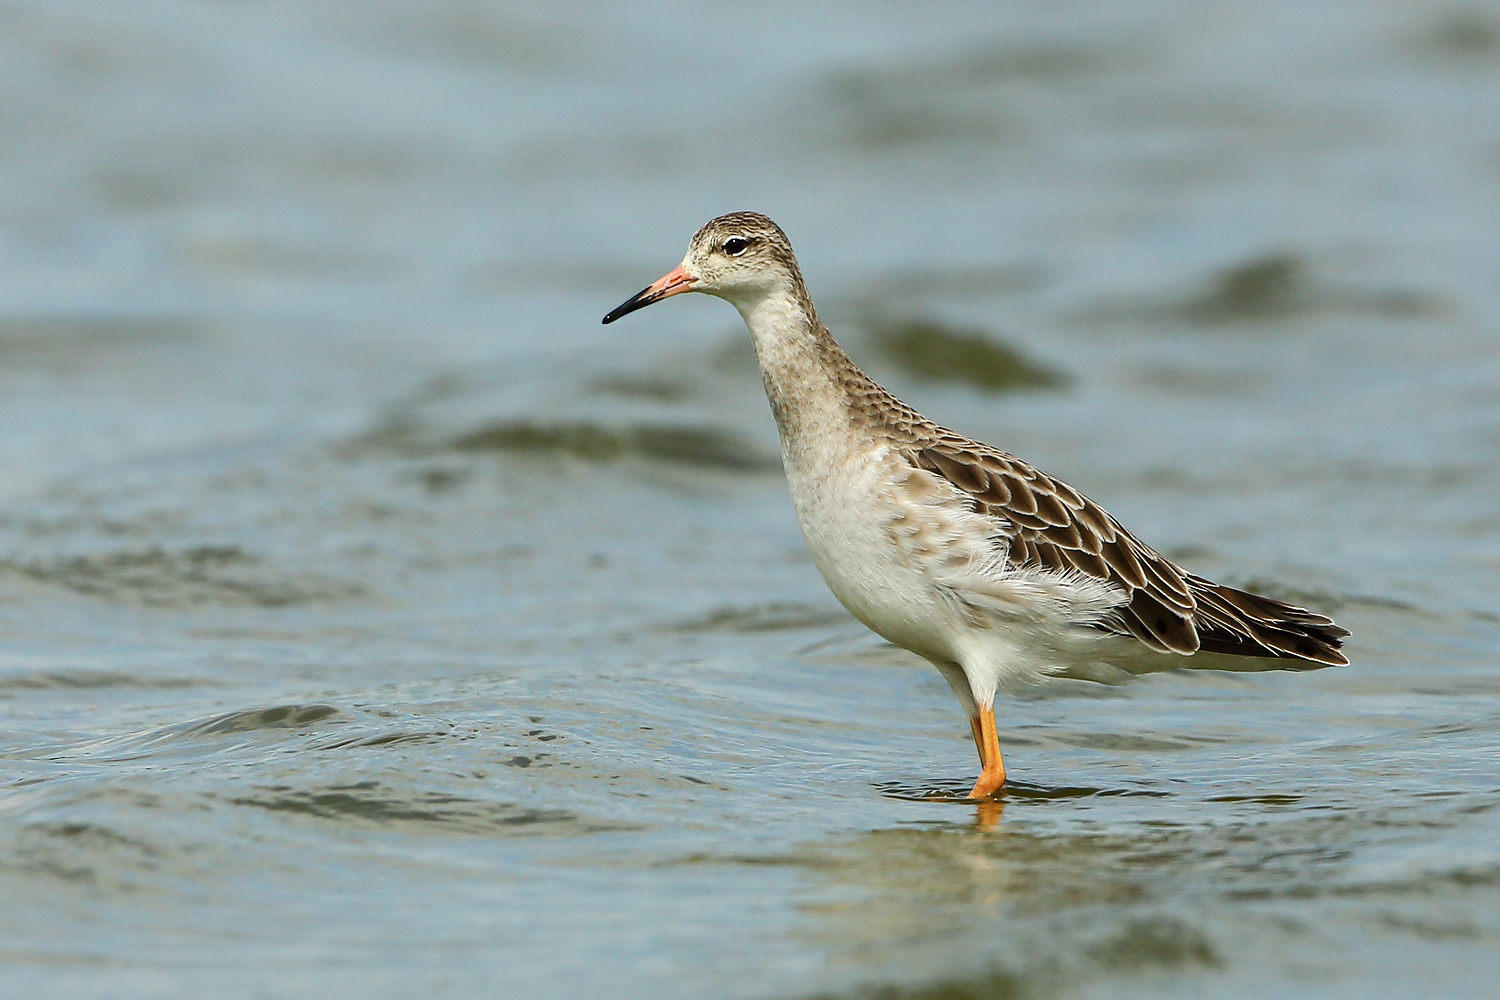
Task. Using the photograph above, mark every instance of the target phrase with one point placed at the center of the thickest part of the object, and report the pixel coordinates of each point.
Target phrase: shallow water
(373, 622)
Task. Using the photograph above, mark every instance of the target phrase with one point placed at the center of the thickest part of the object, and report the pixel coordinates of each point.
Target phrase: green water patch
(225, 730)
(64, 336)
(73, 679)
(370, 804)
(964, 96)
(1272, 287)
(1264, 288)
(158, 576)
(277, 717)
(707, 447)
(774, 616)
(1149, 943)
(1463, 35)
(82, 852)
(654, 388)
(932, 350)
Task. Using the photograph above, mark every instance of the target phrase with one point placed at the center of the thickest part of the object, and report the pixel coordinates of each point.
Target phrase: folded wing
(1054, 527)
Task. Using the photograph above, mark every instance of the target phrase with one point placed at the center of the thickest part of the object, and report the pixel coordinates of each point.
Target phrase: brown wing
(1058, 528)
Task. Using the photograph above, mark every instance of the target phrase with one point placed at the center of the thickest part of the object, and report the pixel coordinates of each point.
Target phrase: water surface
(373, 622)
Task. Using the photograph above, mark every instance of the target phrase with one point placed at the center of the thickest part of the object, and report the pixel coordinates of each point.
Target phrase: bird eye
(736, 245)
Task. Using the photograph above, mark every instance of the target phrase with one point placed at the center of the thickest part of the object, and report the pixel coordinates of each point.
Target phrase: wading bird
(963, 554)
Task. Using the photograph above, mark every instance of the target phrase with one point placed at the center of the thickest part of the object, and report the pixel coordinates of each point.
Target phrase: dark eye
(736, 245)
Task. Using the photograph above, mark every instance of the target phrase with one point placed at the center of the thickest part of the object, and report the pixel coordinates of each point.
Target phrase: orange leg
(992, 773)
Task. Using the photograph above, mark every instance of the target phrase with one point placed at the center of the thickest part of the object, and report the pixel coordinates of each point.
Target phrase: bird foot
(989, 784)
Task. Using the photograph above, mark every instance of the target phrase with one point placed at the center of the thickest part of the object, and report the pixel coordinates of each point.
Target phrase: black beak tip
(637, 301)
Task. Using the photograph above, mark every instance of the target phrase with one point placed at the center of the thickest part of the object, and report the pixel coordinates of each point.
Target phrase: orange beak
(674, 281)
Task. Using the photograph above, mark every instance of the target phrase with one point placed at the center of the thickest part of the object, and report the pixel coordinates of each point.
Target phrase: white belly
(845, 511)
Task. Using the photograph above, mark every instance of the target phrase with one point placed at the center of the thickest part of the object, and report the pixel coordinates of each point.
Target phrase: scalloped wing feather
(1053, 529)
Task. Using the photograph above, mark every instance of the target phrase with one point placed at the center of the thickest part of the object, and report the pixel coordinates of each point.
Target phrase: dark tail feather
(1233, 621)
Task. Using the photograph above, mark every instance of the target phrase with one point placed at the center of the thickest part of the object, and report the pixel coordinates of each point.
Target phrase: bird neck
(806, 373)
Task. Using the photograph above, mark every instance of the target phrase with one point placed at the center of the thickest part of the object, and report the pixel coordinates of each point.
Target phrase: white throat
(775, 319)
(801, 365)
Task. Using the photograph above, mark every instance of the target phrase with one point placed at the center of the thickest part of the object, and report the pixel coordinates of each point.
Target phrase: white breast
(876, 548)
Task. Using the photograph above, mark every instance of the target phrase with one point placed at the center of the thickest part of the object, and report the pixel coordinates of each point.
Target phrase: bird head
(742, 257)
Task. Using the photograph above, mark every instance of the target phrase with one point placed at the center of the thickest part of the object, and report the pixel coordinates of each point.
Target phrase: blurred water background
(374, 622)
